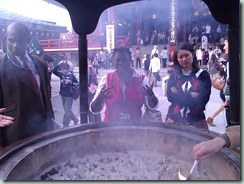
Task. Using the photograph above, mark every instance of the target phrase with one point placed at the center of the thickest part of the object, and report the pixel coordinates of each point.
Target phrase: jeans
(68, 114)
(138, 62)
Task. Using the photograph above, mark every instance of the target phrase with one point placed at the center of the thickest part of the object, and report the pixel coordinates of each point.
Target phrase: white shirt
(199, 54)
(211, 53)
(204, 39)
(155, 50)
(154, 65)
(219, 29)
(143, 61)
(208, 29)
(164, 53)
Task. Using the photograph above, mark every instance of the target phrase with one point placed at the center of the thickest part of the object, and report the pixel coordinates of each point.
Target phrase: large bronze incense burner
(168, 143)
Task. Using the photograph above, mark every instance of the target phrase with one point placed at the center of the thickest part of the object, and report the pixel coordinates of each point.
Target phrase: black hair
(64, 66)
(47, 58)
(185, 46)
(122, 50)
(155, 55)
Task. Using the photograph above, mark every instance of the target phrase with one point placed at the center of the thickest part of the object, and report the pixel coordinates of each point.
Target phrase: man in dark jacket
(25, 90)
(147, 64)
(49, 60)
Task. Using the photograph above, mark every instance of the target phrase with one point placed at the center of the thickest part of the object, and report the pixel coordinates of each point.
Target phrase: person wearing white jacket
(199, 56)
(154, 67)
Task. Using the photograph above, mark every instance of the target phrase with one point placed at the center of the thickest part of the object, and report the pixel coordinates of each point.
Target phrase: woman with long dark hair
(188, 90)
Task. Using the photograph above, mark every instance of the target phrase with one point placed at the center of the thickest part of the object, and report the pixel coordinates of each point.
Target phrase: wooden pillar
(234, 63)
(83, 78)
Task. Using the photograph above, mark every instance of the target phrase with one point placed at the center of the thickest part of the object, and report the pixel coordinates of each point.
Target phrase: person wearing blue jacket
(67, 81)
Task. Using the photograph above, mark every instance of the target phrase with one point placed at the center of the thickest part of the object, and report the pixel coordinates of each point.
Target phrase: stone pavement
(212, 105)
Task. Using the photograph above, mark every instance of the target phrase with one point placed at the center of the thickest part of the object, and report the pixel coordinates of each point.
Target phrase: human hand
(68, 81)
(210, 121)
(174, 90)
(207, 148)
(226, 102)
(92, 88)
(5, 120)
(106, 93)
(147, 90)
(194, 94)
(169, 120)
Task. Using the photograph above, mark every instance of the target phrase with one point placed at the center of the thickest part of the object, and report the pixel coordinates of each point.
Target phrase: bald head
(18, 37)
(18, 27)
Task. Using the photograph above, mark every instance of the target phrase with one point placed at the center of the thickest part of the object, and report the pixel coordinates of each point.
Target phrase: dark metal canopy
(85, 14)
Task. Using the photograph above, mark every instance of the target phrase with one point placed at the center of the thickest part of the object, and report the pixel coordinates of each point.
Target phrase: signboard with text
(110, 37)
(173, 38)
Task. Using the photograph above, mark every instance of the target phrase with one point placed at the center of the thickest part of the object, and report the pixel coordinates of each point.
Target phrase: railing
(92, 41)
(59, 43)
(123, 41)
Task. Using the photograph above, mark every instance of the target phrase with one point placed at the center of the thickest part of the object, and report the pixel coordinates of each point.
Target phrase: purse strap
(198, 73)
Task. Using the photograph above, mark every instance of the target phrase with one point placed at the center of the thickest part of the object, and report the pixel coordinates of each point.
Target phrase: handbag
(151, 116)
(75, 91)
(158, 77)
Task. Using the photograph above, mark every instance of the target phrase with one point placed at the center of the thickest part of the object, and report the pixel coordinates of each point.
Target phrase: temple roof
(7, 16)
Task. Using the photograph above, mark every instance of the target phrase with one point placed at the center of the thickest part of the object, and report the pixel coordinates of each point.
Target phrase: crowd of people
(25, 90)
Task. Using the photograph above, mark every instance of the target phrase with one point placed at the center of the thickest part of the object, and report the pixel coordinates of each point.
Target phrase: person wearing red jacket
(123, 91)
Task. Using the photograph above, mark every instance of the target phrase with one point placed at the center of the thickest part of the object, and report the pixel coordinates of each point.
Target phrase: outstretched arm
(230, 139)
(207, 148)
(102, 93)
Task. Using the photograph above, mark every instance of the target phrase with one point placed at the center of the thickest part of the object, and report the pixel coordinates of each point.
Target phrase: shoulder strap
(198, 73)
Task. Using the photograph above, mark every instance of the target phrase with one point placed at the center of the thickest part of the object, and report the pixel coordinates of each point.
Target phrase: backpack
(75, 91)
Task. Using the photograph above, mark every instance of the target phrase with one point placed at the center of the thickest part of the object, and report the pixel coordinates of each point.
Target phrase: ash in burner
(131, 165)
